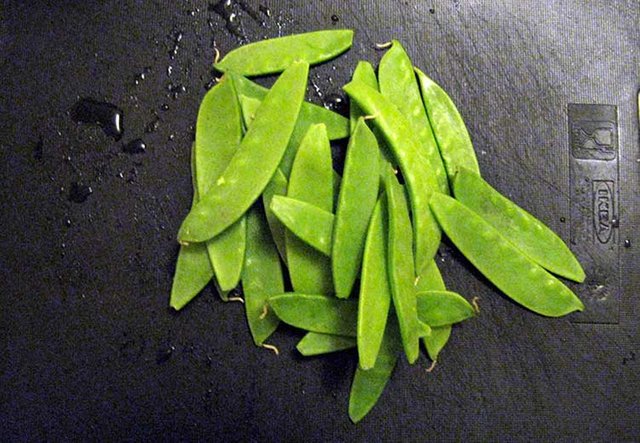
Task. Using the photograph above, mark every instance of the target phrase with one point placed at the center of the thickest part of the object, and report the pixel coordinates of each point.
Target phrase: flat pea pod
(431, 280)
(375, 292)
(316, 313)
(526, 232)
(311, 181)
(276, 54)
(451, 133)
(314, 343)
(401, 269)
(398, 83)
(356, 200)
(400, 139)
(253, 164)
(277, 186)
(500, 262)
(249, 106)
(309, 223)
(363, 73)
(261, 277)
(443, 308)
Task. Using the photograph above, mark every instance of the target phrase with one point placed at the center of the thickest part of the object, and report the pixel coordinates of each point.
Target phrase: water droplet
(336, 102)
(67, 223)
(136, 146)
(105, 115)
(266, 11)
(79, 193)
(164, 107)
(627, 243)
(38, 149)
(169, 70)
(163, 355)
(615, 223)
(432, 11)
(562, 219)
(335, 18)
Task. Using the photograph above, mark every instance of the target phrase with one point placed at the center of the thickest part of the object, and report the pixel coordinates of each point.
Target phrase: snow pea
(500, 262)
(451, 133)
(526, 232)
(398, 83)
(357, 197)
(442, 308)
(253, 164)
(431, 280)
(277, 186)
(309, 223)
(400, 139)
(375, 293)
(261, 277)
(314, 343)
(311, 181)
(276, 54)
(363, 73)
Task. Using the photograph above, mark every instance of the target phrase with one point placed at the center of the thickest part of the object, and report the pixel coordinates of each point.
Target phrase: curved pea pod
(502, 263)
(311, 181)
(443, 308)
(398, 83)
(363, 73)
(255, 162)
(309, 223)
(450, 131)
(317, 313)
(193, 272)
(431, 280)
(526, 232)
(277, 186)
(356, 200)
(375, 292)
(314, 343)
(261, 277)
(276, 54)
(400, 139)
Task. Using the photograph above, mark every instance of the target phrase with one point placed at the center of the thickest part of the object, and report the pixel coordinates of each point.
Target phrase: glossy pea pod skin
(275, 55)
(431, 280)
(448, 126)
(500, 262)
(255, 162)
(356, 200)
(314, 343)
(526, 232)
(400, 139)
(398, 83)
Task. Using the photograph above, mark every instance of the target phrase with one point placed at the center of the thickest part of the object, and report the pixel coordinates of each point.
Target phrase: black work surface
(90, 348)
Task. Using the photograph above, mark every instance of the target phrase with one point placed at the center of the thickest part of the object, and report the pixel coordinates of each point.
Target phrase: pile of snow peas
(359, 245)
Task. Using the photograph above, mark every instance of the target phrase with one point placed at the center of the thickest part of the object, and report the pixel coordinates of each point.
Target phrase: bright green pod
(398, 83)
(431, 280)
(277, 186)
(401, 140)
(311, 181)
(450, 131)
(261, 277)
(443, 308)
(277, 54)
(375, 292)
(364, 73)
(249, 106)
(309, 223)
(316, 313)
(356, 200)
(515, 274)
(255, 162)
(437, 340)
(526, 232)
(314, 343)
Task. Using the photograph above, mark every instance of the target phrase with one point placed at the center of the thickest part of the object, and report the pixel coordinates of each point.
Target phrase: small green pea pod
(431, 280)
(526, 232)
(363, 73)
(311, 181)
(357, 198)
(515, 274)
(398, 83)
(314, 343)
(437, 340)
(450, 131)
(255, 162)
(277, 186)
(317, 313)
(249, 106)
(443, 308)
(276, 54)
(261, 277)
(309, 223)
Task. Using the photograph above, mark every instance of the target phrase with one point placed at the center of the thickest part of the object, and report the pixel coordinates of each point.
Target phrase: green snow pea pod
(309, 223)
(277, 186)
(398, 83)
(314, 343)
(276, 54)
(431, 280)
(451, 133)
(503, 264)
(316, 313)
(261, 277)
(311, 181)
(357, 197)
(253, 164)
(526, 232)
(363, 73)
(249, 106)
(375, 293)
(442, 308)
(400, 139)
(401, 268)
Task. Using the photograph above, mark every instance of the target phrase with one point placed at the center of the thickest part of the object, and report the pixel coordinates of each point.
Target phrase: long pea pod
(443, 308)
(314, 343)
(431, 280)
(363, 73)
(500, 262)
(400, 139)
(526, 232)
(276, 54)
(255, 162)
(276, 186)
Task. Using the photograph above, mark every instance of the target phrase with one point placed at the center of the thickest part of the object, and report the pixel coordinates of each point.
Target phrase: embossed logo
(594, 140)
(603, 209)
